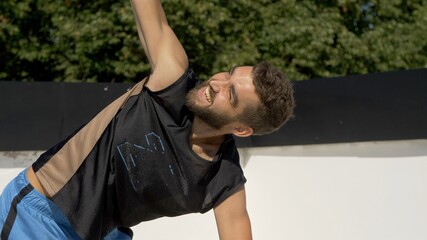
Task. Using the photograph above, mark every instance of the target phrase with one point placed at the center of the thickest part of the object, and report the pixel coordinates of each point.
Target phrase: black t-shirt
(143, 168)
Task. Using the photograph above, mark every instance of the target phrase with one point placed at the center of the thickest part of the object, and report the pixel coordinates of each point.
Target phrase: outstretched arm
(165, 53)
(232, 218)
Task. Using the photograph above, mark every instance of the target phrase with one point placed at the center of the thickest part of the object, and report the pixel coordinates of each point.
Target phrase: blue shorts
(27, 214)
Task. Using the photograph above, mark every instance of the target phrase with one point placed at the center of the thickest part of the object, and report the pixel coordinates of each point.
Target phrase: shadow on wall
(382, 149)
(18, 159)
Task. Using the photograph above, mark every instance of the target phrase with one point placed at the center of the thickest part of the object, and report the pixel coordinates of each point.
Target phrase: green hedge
(80, 40)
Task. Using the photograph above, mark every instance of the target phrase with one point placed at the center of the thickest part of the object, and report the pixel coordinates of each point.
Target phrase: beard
(208, 115)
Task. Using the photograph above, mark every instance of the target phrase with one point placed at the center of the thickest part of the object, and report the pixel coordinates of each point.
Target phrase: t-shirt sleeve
(228, 179)
(172, 98)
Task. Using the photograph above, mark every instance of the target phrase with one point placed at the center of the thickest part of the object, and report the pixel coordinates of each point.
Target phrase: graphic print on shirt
(133, 155)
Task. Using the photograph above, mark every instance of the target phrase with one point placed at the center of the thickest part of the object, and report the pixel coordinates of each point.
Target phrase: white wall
(363, 191)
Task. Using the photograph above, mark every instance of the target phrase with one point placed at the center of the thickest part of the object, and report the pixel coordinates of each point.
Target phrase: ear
(243, 131)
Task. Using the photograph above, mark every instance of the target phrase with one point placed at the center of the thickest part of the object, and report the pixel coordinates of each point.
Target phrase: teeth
(208, 95)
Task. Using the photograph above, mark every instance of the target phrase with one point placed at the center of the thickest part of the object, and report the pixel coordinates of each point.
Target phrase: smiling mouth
(208, 95)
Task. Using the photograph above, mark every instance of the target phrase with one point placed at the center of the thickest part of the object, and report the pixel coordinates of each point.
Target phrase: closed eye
(233, 96)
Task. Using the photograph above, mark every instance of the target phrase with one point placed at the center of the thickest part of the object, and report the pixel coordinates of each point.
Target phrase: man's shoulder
(162, 77)
(187, 79)
(229, 150)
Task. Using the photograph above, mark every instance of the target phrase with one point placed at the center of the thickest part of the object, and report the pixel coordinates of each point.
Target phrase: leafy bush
(75, 40)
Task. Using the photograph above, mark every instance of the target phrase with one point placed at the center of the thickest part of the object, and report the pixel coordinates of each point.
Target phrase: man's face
(221, 99)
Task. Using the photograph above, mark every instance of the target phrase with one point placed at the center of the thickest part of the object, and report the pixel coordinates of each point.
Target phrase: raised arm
(165, 53)
(232, 218)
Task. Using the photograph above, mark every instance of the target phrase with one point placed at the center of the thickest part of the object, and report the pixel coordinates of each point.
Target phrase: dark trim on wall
(371, 107)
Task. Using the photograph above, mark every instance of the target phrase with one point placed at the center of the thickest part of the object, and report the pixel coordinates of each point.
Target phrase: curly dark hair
(275, 92)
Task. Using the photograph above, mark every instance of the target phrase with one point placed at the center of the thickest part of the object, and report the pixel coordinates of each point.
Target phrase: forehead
(242, 71)
(242, 76)
(242, 80)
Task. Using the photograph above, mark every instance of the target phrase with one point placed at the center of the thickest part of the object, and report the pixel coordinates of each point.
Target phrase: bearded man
(165, 148)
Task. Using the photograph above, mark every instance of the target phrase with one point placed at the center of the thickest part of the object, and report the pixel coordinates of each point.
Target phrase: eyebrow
(232, 70)
(233, 90)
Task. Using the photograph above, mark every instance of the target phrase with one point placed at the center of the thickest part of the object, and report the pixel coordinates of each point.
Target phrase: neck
(204, 133)
(205, 140)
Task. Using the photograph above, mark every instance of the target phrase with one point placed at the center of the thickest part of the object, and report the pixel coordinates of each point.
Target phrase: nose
(218, 83)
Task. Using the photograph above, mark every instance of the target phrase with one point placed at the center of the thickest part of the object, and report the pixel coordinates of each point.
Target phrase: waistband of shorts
(38, 201)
